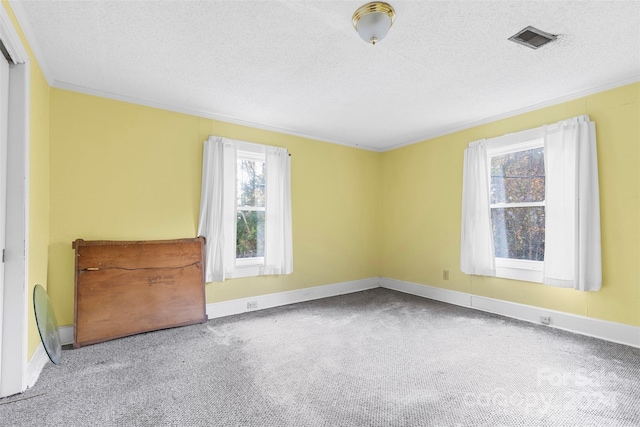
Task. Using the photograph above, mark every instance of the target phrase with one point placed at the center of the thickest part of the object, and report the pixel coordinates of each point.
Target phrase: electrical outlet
(445, 274)
(545, 320)
(252, 305)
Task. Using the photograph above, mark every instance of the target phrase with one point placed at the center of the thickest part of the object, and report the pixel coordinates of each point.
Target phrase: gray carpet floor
(373, 358)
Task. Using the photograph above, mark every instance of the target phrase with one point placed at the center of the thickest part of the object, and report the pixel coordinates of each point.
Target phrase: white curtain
(572, 256)
(217, 222)
(278, 248)
(476, 248)
(218, 208)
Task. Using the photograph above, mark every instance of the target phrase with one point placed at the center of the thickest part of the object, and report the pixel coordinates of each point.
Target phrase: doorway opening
(14, 207)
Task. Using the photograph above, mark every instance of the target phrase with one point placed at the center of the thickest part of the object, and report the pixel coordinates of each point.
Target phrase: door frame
(14, 334)
(4, 135)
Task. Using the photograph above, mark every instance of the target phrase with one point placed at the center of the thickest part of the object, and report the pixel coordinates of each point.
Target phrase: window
(531, 208)
(517, 202)
(250, 183)
(245, 209)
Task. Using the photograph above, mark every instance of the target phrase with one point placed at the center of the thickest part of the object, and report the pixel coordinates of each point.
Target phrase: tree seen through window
(251, 208)
(517, 204)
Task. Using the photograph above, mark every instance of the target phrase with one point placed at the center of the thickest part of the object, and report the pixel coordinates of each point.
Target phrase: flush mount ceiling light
(373, 20)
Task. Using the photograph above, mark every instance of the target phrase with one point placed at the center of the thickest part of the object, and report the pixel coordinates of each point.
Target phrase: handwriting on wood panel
(161, 280)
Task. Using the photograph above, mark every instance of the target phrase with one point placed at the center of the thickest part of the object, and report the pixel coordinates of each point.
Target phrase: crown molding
(46, 70)
(262, 126)
(580, 94)
(200, 113)
(32, 40)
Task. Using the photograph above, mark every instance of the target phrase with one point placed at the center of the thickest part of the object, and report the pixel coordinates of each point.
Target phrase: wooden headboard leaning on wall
(126, 288)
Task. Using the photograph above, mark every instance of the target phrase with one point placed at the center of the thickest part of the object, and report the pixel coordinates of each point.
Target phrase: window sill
(248, 267)
(526, 271)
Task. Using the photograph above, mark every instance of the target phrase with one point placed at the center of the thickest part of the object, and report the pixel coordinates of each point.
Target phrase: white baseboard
(36, 364)
(609, 331)
(438, 294)
(66, 334)
(237, 306)
(40, 357)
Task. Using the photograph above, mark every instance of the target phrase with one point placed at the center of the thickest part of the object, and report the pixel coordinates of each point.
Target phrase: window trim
(519, 269)
(510, 268)
(248, 267)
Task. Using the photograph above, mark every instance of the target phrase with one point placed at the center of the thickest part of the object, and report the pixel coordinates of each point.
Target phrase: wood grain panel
(125, 288)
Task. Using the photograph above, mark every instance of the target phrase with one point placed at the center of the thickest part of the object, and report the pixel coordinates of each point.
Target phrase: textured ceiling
(299, 67)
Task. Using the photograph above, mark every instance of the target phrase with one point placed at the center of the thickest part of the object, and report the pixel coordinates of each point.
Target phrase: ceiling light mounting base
(373, 20)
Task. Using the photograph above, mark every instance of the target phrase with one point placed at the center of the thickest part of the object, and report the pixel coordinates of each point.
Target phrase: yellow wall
(38, 184)
(422, 196)
(103, 169)
(121, 171)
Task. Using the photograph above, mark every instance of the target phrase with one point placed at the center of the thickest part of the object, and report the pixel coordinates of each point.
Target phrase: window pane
(250, 234)
(518, 177)
(250, 183)
(518, 233)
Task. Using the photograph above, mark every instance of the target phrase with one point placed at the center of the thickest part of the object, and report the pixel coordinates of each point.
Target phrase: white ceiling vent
(532, 37)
